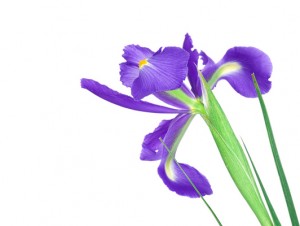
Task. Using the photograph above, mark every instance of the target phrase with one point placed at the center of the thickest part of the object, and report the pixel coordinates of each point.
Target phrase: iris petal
(129, 73)
(164, 71)
(133, 54)
(192, 65)
(169, 171)
(207, 61)
(177, 181)
(237, 66)
(122, 100)
(151, 144)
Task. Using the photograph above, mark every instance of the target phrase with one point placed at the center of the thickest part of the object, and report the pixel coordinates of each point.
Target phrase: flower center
(142, 63)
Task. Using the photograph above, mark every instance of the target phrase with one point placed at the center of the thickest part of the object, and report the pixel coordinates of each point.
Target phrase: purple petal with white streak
(122, 100)
(237, 66)
(169, 171)
(181, 185)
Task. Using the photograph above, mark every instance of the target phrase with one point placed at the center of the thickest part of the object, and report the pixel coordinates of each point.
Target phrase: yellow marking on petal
(142, 63)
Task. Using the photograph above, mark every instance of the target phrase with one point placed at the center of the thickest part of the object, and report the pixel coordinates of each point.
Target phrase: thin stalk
(281, 174)
(270, 206)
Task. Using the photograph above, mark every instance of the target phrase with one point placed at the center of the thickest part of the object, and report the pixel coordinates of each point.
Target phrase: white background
(70, 158)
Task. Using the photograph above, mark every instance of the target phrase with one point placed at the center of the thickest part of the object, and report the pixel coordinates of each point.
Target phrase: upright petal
(129, 73)
(187, 43)
(192, 65)
(122, 100)
(129, 70)
(151, 144)
(133, 54)
(169, 171)
(237, 66)
(163, 71)
(206, 60)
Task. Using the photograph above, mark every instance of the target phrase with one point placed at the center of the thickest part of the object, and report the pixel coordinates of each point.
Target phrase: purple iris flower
(162, 74)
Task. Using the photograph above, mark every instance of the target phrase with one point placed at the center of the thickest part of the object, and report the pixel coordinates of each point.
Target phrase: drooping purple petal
(122, 100)
(133, 54)
(164, 71)
(192, 65)
(150, 151)
(180, 184)
(169, 171)
(237, 66)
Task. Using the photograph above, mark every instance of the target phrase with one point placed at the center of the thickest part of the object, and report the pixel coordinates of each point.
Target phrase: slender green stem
(283, 180)
(191, 182)
(270, 206)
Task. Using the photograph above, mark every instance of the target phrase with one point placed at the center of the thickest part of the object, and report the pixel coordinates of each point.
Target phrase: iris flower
(162, 74)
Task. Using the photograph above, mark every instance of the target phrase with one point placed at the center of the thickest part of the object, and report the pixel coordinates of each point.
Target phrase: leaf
(270, 206)
(232, 154)
(283, 180)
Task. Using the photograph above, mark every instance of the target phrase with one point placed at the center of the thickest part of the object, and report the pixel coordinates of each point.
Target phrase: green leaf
(232, 154)
(270, 206)
(283, 180)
